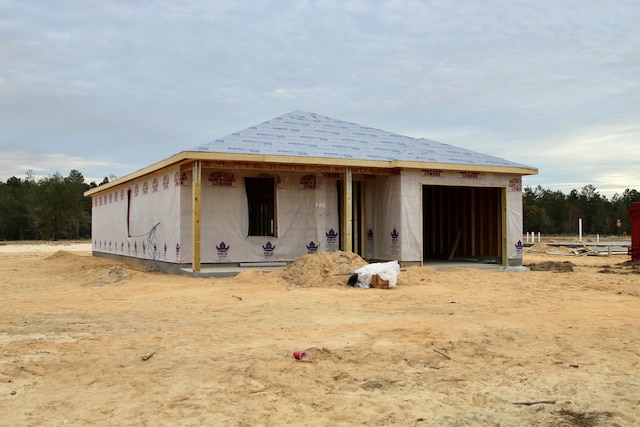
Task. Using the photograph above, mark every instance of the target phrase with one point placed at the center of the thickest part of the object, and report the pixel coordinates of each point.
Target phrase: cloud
(600, 155)
(134, 82)
(17, 164)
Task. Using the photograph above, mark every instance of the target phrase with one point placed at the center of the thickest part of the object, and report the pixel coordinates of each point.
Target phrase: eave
(185, 157)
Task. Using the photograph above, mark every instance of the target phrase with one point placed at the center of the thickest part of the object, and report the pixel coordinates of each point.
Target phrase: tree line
(54, 208)
(50, 208)
(553, 212)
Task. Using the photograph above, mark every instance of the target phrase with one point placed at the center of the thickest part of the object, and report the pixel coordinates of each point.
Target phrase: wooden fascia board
(298, 160)
(188, 156)
(513, 170)
(289, 167)
(354, 163)
(163, 164)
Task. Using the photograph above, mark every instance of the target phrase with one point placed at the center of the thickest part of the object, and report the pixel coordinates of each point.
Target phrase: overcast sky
(108, 87)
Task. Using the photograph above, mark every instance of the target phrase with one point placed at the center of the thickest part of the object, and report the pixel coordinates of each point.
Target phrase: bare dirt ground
(89, 341)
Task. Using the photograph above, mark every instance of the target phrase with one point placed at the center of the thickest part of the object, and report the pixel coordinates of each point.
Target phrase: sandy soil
(457, 347)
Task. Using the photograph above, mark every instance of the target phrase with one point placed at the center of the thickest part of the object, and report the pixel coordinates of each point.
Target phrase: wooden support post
(347, 235)
(196, 193)
(504, 226)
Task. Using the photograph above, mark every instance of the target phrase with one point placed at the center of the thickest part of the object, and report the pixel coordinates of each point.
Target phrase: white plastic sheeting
(140, 218)
(306, 219)
(383, 220)
(307, 216)
(514, 220)
(306, 206)
(385, 270)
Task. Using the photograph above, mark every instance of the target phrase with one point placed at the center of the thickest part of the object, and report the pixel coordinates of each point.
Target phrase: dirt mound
(61, 255)
(627, 267)
(541, 247)
(252, 276)
(110, 277)
(90, 270)
(556, 267)
(75, 262)
(322, 269)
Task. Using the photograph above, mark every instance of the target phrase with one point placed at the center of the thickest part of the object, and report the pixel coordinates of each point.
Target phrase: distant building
(304, 183)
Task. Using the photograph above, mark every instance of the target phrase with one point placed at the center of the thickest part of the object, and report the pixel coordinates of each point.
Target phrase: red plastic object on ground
(634, 215)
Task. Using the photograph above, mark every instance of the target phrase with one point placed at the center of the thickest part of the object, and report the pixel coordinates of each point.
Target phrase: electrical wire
(152, 248)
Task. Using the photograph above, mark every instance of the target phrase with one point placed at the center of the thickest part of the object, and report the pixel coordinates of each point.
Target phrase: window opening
(261, 202)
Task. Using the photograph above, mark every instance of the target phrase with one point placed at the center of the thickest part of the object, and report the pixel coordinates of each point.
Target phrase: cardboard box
(377, 282)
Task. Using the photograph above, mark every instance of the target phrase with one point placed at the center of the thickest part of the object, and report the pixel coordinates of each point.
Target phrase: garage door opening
(462, 223)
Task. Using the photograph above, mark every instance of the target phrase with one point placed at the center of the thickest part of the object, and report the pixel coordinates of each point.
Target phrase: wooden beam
(347, 218)
(463, 167)
(371, 167)
(361, 218)
(504, 226)
(288, 167)
(196, 194)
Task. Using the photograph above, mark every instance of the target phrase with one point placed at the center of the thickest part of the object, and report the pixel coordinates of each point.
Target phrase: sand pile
(61, 255)
(92, 271)
(79, 262)
(322, 269)
(556, 267)
(114, 275)
(252, 276)
(541, 247)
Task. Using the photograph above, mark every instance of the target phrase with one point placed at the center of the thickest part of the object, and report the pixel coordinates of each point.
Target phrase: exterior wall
(514, 221)
(411, 215)
(146, 225)
(306, 215)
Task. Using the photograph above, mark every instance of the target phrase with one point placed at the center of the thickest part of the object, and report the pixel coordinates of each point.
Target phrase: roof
(305, 134)
(307, 138)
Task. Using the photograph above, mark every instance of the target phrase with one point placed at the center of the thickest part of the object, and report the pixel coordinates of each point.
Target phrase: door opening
(462, 223)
